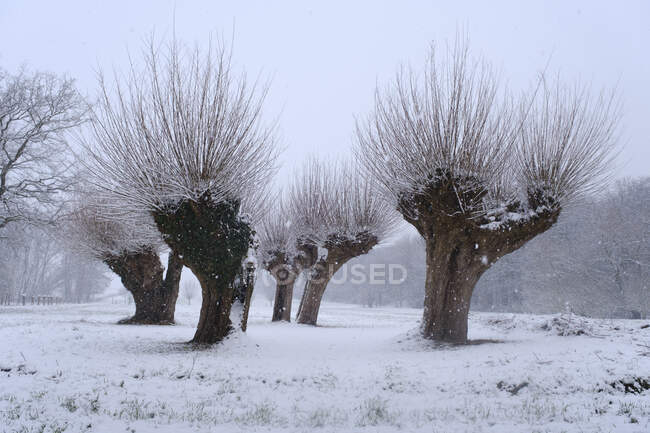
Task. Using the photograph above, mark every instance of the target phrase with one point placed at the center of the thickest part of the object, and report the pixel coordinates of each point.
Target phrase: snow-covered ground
(71, 368)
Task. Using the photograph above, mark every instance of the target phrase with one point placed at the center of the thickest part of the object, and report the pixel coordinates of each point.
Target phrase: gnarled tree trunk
(212, 240)
(282, 302)
(285, 270)
(311, 300)
(339, 252)
(214, 321)
(142, 275)
(452, 270)
(458, 251)
(285, 275)
(168, 292)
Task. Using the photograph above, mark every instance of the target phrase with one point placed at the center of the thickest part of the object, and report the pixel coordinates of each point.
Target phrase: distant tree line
(595, 261)
(36, 262)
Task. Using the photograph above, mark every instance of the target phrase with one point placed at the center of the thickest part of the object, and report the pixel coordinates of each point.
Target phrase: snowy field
(71, 368)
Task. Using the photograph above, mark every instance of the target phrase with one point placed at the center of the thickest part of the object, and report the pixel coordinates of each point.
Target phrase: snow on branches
(456, 124)
(332, 202)
(37, 110)
(96, 229)
(276, 233)
(477, 172)
(183, 126)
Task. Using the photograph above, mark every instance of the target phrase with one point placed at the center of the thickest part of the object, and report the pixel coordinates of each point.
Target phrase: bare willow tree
(182, 139)
(36, 111)
(282, 257)
(129, 244)
(477, 173)
(337, 216)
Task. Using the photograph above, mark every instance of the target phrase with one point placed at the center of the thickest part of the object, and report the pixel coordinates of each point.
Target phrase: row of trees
(331, 215)
(177, 155)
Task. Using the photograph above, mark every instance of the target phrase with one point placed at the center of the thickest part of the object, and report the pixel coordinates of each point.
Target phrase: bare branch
(452, 124)
(497, 155)
(276, 232)
(566, 147)
(332, 200)
(95, 228)
(37, 110)
(179, 127)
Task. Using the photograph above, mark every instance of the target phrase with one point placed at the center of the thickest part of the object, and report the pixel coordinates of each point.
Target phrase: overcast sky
(326, 57)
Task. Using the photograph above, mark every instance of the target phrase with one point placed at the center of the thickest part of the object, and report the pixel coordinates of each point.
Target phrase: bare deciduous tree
(478, 174)
(191, 289)
(183, 140)
(337, 216)
(129, 245)
(596, 260)
(36, 110)
(28, 259)
(281, 257)
(35, 261)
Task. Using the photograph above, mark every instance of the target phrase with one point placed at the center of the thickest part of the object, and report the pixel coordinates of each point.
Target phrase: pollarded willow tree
(478, 175)
(183, 139)
(283, 257)
(129, 244)
(337, 216)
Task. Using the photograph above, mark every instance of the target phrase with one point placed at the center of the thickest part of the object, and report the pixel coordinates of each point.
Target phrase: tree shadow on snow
(413, 341)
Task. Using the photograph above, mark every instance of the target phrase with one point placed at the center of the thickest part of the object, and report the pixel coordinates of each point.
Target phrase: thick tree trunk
(452, 271)
(214, 321)
(212, 240)
(170, 286)
(339, 252)
(457, 255)
(282, 303)
(142, 275)
(285, 270)
(154, 298)
(311, 300)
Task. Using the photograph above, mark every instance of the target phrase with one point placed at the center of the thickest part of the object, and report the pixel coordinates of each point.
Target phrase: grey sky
(325, 57)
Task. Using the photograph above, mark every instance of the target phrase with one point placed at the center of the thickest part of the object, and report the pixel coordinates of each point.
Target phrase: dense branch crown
(96, 231)
(332, 203)
(183, 127)
(277, 238)
(455, 142)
